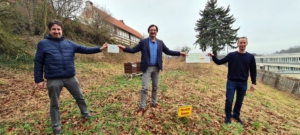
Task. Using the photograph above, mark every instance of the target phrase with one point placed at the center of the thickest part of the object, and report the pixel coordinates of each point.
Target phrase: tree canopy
(214, 28)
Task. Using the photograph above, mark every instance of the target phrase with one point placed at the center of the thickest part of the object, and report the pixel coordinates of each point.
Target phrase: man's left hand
(252, 88)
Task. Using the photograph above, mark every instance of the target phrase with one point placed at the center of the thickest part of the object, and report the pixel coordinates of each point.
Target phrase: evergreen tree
(215, 28)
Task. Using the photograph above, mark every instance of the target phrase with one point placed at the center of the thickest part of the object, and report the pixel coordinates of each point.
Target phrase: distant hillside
(24, 23)
(294, 49)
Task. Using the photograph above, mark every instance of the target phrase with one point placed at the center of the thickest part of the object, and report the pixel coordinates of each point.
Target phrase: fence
(279, 82)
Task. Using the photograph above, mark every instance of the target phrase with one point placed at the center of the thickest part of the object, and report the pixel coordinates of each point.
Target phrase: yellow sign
(185, 111)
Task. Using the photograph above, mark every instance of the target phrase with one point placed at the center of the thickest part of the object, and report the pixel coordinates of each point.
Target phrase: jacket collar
(55, 39)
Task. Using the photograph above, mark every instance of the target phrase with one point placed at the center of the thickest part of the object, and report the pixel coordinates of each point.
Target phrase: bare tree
(4, 9)
(67, 8)
(28, 10)
(99, 18)
(185, 49)
(24, 16)
(178, 48)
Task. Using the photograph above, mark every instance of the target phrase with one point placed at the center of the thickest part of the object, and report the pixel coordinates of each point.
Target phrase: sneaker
(238, 120)
(141, 111)
(86, 116)
(227, 120)
(57, 131)
(153, 105)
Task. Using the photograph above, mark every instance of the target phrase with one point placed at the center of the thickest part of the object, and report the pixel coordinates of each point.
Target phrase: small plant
(256, 125)
(2, 130)
(137, 131)
(207, 119)
(184, 120)
(163, 87)
(205, 131)
(267, 104)
(27, 128)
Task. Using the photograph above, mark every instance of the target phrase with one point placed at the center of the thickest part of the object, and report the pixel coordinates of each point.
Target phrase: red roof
(114, 21)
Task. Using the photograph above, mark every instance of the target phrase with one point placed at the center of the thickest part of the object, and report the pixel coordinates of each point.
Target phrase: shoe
(57, 131)
(153, 105)
(227, 120)
(86, 116)
(238, 120)
(141, 112)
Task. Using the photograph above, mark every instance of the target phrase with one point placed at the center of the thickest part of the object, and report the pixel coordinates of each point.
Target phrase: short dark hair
(242, 38)
(152, 25)
(57, 22)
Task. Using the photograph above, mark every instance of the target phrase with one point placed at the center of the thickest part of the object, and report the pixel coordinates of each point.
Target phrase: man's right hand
(121, 47)
(40, 85)
(210, 54)
(105, 45)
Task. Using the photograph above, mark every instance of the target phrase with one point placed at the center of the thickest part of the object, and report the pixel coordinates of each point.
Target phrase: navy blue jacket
(143, 46)
(239, 66)
(56, 58)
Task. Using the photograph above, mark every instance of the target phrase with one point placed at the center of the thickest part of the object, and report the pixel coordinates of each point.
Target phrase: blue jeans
(231, 87)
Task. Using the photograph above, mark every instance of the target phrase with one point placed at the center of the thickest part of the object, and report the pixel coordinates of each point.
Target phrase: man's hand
(252, 88)
(210, 54)
(40, 85)
(183, 54)
(104, 46)
(121, 47)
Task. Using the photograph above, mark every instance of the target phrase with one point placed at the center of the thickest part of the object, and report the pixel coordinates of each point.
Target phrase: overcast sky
(269, 25)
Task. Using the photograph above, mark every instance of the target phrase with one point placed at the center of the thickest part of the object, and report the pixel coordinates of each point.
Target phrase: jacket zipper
(61, 54)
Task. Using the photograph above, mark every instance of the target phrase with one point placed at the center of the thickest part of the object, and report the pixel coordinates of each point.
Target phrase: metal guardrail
(287, 72)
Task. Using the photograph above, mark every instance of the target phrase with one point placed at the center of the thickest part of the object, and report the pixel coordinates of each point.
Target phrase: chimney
(122, 21)
(89, 4)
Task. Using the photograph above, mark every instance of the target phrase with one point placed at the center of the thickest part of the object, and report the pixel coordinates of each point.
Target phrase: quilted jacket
(55, 57)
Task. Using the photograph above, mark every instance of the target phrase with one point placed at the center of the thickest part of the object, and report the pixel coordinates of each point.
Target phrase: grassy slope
(113, 101)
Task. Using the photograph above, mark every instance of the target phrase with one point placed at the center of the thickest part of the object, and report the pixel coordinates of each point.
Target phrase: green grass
(113, 100)
(16, 62)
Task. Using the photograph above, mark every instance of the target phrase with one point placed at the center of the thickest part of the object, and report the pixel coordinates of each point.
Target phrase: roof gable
(118, 23)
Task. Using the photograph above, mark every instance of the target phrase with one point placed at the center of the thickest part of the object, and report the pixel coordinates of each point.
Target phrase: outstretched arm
(217, 61)
(135, 49)
(167, 51)
(88, 50)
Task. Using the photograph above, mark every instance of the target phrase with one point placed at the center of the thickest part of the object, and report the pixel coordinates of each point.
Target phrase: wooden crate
(130, 68)
(138, 67)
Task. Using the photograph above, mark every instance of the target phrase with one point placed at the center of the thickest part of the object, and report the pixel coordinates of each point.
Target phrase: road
(292, 75)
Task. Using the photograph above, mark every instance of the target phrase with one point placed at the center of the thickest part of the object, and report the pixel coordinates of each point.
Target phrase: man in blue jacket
(239, 64)
(55, 57)
(151, 63)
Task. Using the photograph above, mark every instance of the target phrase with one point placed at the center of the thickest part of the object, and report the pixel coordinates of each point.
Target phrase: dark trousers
(54, 87)
(231, 87)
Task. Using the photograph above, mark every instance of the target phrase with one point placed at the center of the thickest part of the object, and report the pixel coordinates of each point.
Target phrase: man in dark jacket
(55, 57)
(239, 64)
(151, 63)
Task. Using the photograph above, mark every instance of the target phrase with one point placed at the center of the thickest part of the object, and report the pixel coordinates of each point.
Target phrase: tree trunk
(215, 53)
(45, 18)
